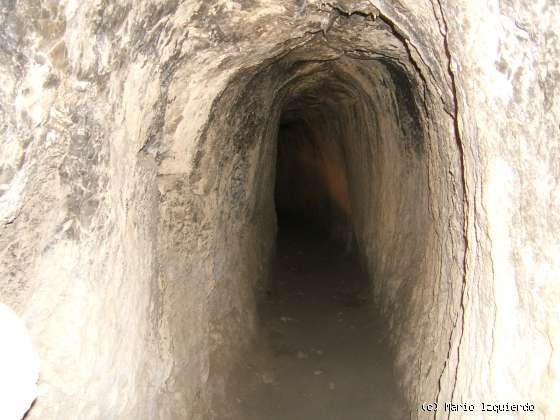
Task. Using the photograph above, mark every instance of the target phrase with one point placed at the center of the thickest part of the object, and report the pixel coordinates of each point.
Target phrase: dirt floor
(320, 355)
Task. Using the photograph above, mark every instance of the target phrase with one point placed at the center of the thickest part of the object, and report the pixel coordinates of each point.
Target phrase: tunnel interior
(152, 151)
(339, 146)
(339, 128)
(322, 353)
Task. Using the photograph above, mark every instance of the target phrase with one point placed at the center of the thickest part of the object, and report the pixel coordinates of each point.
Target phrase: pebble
(267, 377)
(301, 355)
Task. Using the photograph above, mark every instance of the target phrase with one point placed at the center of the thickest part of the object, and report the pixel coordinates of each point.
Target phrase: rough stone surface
(137, 166)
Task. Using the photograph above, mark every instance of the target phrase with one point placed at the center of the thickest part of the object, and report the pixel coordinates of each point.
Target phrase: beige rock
(19, 366)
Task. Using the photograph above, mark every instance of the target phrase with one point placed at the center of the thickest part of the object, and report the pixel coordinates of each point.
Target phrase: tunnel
(319, 354)
(343, 155)
(253, 209)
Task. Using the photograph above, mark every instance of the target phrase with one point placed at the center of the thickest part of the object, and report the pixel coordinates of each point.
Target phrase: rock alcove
(142, 176)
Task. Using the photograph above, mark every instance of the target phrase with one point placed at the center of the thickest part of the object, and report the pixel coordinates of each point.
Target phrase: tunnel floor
(320, 354)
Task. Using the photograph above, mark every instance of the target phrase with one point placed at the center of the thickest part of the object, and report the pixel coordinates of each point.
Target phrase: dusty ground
(321, 353)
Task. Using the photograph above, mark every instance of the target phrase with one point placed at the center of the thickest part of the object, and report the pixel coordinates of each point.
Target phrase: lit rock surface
(137, 173)
(19, 367)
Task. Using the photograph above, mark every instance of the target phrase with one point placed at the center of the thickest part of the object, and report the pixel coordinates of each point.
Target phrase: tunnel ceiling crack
(339, 9)
(407, 43)
(467, 214)
(411, 46)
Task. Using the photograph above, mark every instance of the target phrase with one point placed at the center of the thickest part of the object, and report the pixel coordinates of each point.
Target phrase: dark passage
(311, 184)
(321, 355)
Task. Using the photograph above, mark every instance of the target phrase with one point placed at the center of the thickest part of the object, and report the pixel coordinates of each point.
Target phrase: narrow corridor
(321, 354)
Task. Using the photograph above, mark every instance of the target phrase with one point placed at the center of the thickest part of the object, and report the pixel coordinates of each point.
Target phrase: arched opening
(327, 359)
(340, 189)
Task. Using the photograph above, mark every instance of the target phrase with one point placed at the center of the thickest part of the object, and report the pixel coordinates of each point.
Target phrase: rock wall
(137, 189)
